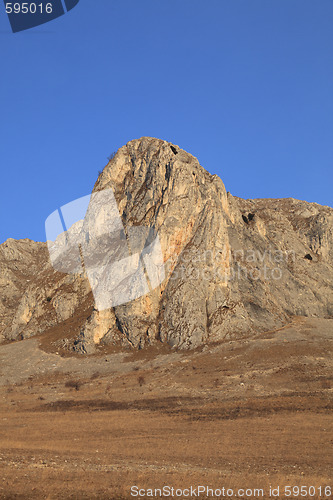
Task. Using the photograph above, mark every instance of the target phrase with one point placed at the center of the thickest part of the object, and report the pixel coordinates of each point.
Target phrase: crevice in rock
(167, 171)
(118, 325)
(122, 331)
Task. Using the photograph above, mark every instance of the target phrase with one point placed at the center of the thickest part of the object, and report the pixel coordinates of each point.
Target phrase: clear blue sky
(244, 85)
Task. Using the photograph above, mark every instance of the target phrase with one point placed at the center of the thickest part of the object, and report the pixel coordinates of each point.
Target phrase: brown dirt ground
(249, 414)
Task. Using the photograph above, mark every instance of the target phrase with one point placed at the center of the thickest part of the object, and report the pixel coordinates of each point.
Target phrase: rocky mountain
(232, 267)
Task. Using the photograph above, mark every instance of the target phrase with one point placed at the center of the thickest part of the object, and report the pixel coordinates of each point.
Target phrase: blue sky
(244, 85)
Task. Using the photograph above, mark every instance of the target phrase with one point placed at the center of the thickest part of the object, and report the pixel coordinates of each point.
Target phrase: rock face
(33, 296)
(233, 267)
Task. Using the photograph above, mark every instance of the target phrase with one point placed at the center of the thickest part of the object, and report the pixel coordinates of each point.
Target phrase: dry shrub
(326, 383)
(73, 384)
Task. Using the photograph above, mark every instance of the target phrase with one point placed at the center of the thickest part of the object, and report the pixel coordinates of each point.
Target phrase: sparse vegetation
(73, 384)
(153, 412)
(326, 383)
(112, 155)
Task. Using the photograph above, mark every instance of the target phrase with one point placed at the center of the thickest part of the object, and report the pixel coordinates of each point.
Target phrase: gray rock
(233, 267)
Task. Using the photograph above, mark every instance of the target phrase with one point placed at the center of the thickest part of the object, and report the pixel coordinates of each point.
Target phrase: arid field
(251, 414)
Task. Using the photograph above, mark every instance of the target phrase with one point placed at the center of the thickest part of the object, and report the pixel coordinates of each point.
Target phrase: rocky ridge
(233, 267)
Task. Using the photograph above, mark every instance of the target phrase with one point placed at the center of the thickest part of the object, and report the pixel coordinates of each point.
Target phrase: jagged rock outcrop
(233, 267)
(33, 296)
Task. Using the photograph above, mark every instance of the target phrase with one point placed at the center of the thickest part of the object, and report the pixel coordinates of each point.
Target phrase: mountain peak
(231, 267)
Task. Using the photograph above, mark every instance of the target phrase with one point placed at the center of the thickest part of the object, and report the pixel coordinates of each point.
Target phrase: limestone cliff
(233, 267)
